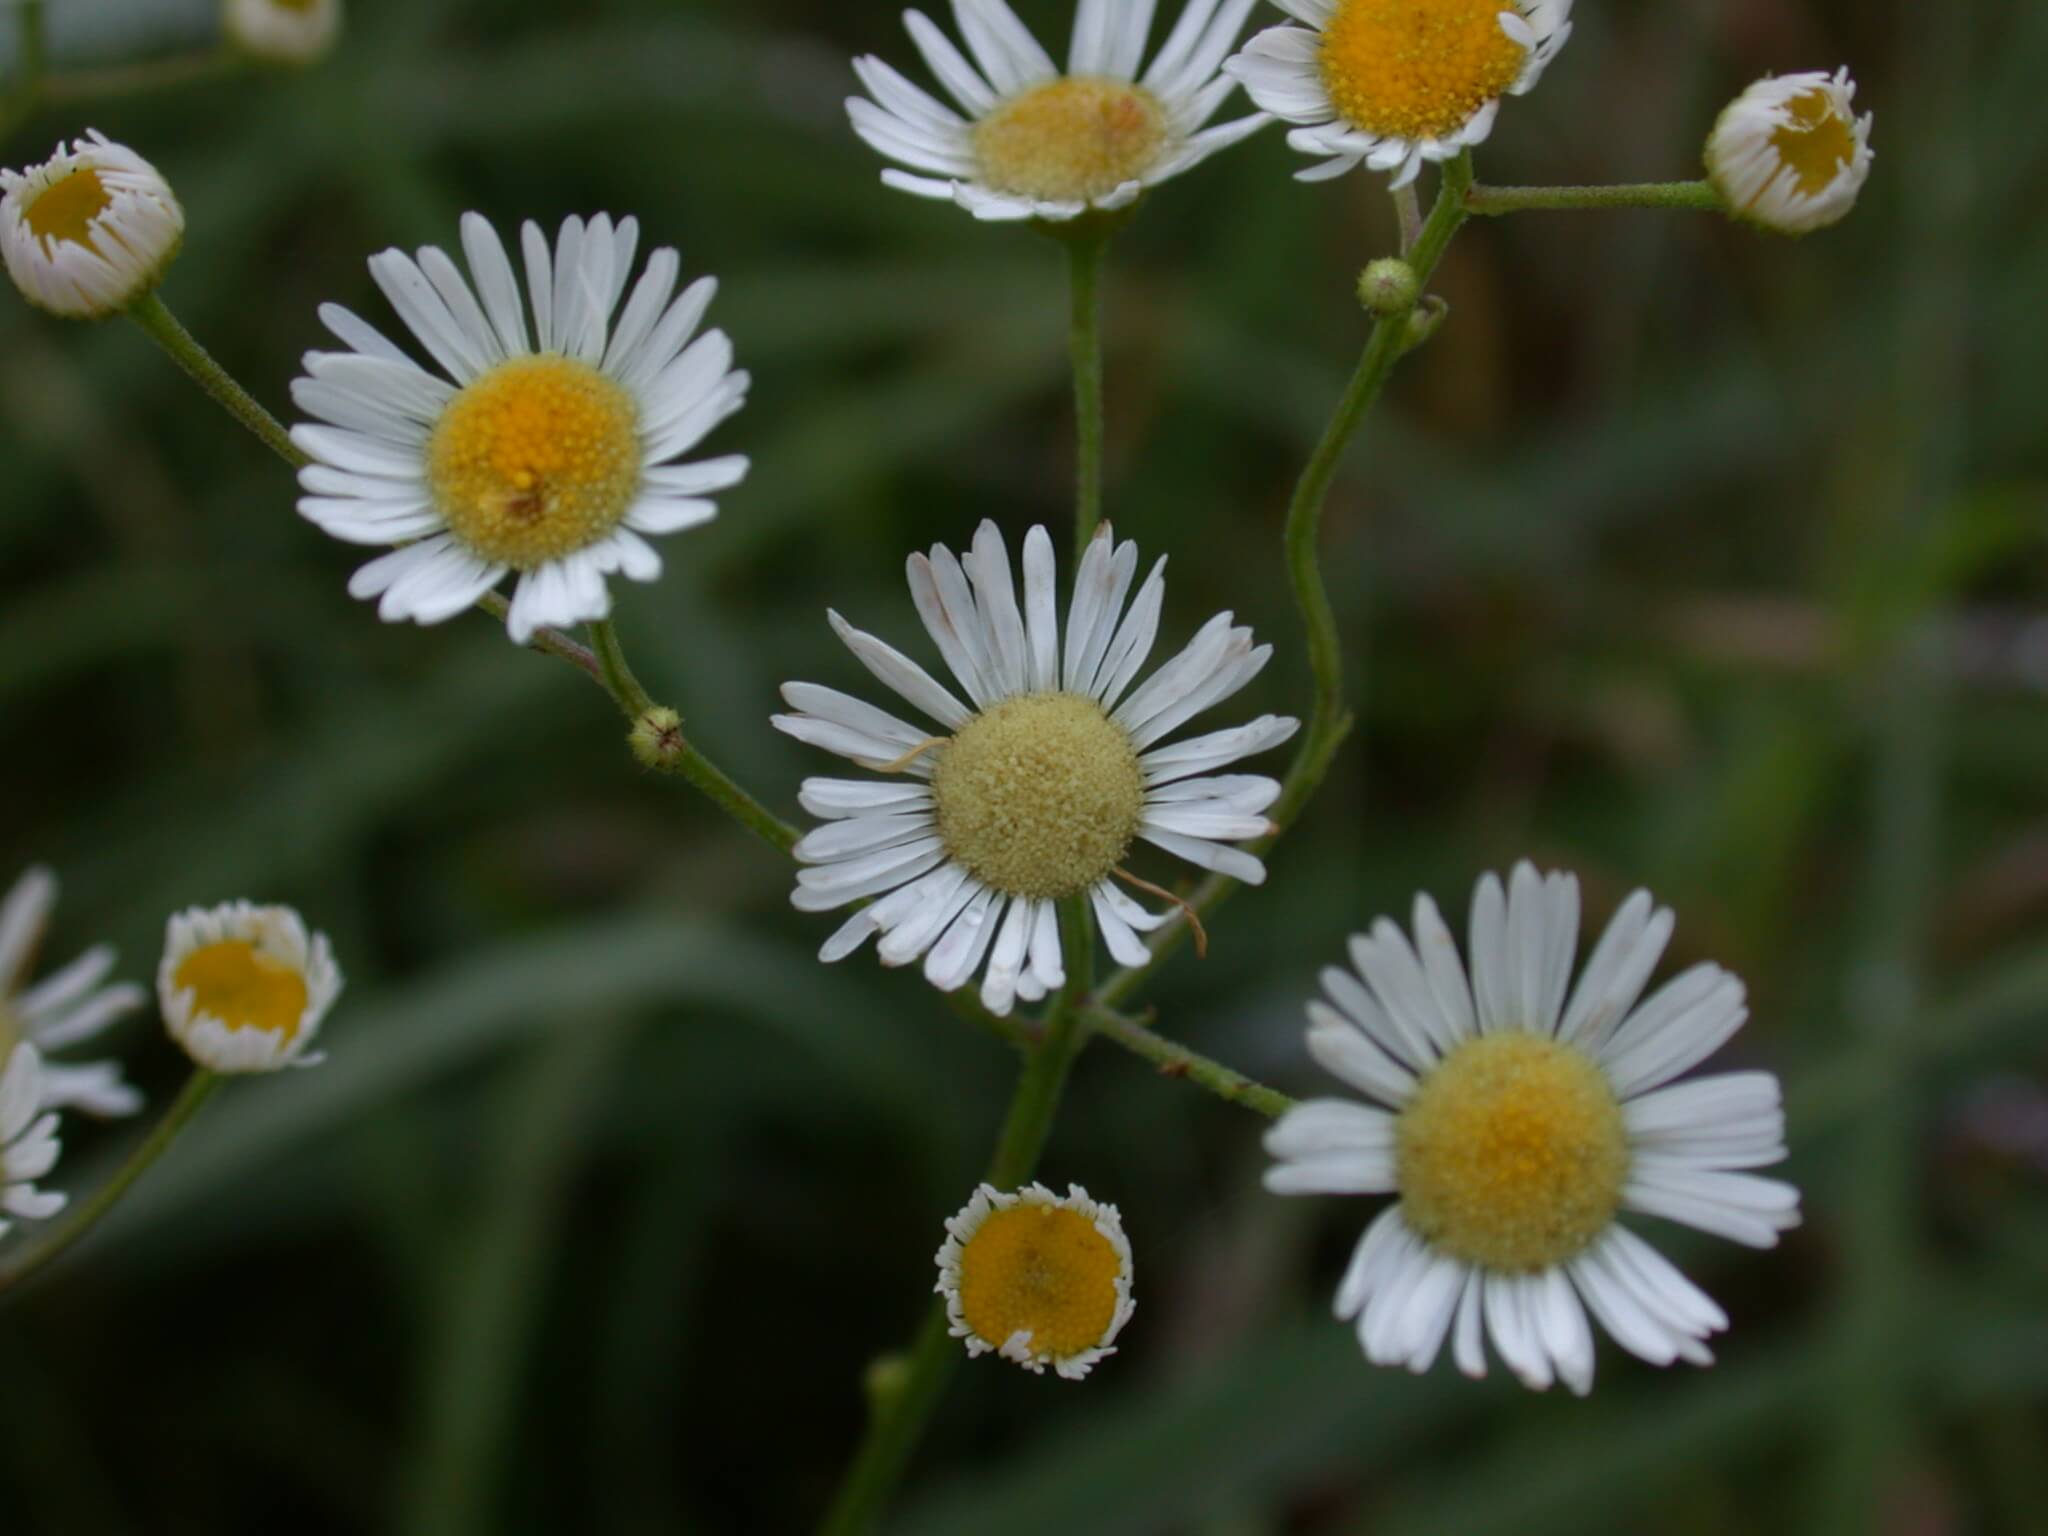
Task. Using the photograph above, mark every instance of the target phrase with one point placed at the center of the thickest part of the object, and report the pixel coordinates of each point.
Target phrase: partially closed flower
(244, 988)
(1790, 154)
(90, 230)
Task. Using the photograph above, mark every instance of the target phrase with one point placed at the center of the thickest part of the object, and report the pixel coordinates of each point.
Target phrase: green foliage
(1679, 557)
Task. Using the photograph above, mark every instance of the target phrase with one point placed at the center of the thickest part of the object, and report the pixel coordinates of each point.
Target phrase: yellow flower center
(65, 209)
(1040, 796)
(535, 460)
(1512, 1154)
(1817, 143)
(1071, 139)
(243, 987)
(1417, 69)
(1042, 1270)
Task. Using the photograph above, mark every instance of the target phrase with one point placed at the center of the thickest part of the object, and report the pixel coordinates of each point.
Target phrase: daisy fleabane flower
(1044, 779)
(282, 31)
(89, 231)
(545, 452)
(1038, 1278)
(1037, 143)
(1392, 83)
(28, 1140)
(244, 988)
(1515, 1126)
(62, 1010)
(1790, 153)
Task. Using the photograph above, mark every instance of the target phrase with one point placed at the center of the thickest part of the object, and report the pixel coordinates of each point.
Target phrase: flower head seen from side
(89, 231)
(1038, 1278)
(548, 452)
(1048, 775)
(243, 988)
(294, 32)
(1514, 1125)
(1392, 83)
(1037, 143)
(1790, 154)
(28, 1140)
(65, 1009)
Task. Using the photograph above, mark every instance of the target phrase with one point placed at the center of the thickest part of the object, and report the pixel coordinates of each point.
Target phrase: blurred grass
(1681, 557)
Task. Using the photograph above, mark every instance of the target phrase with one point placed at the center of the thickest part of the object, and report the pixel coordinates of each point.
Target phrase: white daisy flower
(1790, 153)
(243, 988)
(1048, 774)
(552, 451)
(1515, 1126)
(90, 230)
(1037, 1278)
(1392, 83)
(282, 31)
(28, 1140)
(1039, 144)
(63, 1010)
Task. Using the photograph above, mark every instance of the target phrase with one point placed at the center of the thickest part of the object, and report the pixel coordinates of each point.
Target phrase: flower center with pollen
(1417, 69)
(1071, 139)
(1039, 796)
(64, 210)
(1042, 1270)
(1817, 143)
(1512, 1154)
(534, 460)
(244, 988)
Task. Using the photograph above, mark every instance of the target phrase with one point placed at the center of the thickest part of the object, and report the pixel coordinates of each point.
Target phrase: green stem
(613, 672)
(901, 1413)
(33, 53)
(163, 328)
(1329, 721)
(1085, 258)
(1176, 1060)
(1695, 195)
(198, 1088)
(144, 75)
(1408, 214)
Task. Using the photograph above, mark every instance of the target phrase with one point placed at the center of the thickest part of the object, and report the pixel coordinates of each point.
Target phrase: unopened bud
(1424, 319)
(657, 737)
(89, 231)
(1388, 286)
(290, 32)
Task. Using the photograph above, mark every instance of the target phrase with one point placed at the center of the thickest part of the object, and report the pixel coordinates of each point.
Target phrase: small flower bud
(1388, 286)
(1789, 154)
(657, 737)
(89, 231)
(243, 988)
(293, 32)
(1424, 319)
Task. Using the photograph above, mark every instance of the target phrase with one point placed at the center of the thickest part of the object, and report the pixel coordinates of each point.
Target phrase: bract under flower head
(244, 988)
(1037, 1278)
(1393, 83)
(90, 230)
(1790, 154)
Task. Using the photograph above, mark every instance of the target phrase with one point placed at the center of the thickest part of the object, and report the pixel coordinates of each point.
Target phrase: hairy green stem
(1176, 1060)
(1329, 721)
(903, 1409)
(1085, 260)
(1699, 196)
(32, 62)
(198, 1088)
(163, 328)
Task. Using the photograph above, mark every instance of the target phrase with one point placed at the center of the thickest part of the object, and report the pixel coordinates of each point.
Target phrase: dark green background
(1682, 557)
